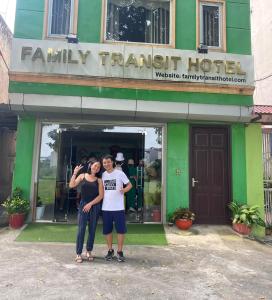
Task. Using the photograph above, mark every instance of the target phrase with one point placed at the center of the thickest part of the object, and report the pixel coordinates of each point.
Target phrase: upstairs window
(139, 21)
(212, 24)
(61, 17)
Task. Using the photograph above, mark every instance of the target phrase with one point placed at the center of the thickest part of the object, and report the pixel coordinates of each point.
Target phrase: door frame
(229, 160)
(47, 121)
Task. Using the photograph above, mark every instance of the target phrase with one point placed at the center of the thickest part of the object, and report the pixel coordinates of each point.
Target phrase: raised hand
(77, 169)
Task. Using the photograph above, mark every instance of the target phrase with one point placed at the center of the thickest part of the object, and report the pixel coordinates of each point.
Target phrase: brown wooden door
(210, 174)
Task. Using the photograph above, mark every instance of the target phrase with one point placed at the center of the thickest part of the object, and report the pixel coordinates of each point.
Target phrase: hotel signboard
(131, 62)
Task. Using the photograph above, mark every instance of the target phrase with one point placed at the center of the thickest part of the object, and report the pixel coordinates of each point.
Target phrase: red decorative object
(156, 215)
(241, 228)
(16, 220)
(183, 224)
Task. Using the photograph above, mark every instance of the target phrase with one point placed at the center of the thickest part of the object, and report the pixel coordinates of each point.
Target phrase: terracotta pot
(156, 215)
(268, 231)
(40, 212)
(16, 220)
(183, 224)
(242, 228)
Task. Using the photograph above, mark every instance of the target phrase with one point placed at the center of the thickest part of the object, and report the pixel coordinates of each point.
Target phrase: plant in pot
(17, 208)
(268, 230)
(40, 207)
(156, 209)
(244, 217)
(170, 219)
(183, 218)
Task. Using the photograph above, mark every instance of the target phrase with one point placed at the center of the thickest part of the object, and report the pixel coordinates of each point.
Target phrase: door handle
(194, 182)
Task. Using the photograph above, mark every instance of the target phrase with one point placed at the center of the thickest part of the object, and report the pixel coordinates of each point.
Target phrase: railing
(268, 206)
(267, 174)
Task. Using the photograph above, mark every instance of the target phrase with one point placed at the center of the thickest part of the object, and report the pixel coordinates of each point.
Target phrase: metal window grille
(60, 17)
(267, 174)
(210, 22)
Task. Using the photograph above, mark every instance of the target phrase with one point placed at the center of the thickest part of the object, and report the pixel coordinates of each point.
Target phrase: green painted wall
(24, 155)
(89, 23)
(177, 158)
(186, 24)
(29, 19)
(238, 162)
(116, 93)
(254, 169)
(238, 26)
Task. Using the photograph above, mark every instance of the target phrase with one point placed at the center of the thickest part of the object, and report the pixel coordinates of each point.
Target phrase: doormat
(138, 234)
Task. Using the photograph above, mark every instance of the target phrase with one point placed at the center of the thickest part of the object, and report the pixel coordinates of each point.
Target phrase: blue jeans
(91, 219)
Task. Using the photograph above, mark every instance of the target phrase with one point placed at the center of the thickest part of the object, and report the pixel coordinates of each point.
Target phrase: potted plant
(17, 208)
(156, 201)
(40, 207)
(156, 214)
(183, 218)
(244, 217)
(268, 230)
(170, 219)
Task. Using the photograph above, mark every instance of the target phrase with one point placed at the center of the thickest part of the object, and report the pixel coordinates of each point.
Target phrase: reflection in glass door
(144, 201)
(47, 173)
(64, 169)
(152, 190)
(64, 146)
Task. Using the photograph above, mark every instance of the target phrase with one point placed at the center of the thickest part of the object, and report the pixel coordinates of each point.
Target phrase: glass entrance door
(55, 201)
(144, 202)
(47, 173)
(64, 146)
(151, 168)
(66, 201)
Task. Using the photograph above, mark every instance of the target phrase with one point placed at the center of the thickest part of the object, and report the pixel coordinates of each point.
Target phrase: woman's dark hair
(90, 162)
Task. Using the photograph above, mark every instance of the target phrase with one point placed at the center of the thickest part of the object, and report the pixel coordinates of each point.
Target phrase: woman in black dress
(89, 208)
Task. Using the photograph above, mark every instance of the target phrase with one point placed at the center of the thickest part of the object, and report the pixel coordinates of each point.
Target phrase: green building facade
(167, 83)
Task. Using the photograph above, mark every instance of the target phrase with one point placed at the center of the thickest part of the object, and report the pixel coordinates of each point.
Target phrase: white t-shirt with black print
(113, 182)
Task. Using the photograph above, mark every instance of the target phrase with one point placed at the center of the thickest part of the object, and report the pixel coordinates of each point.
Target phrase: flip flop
(89, 256)
(79, 259)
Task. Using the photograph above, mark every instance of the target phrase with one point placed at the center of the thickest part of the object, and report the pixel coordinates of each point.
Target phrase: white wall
(5, 48)
(261, 28)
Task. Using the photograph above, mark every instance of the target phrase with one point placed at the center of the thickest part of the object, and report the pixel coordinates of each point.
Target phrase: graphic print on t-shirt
(110, 185)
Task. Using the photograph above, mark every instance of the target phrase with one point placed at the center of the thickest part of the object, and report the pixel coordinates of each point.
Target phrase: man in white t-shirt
(113, 207)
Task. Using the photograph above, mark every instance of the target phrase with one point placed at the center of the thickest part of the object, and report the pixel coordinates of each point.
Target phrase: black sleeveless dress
(89, 190)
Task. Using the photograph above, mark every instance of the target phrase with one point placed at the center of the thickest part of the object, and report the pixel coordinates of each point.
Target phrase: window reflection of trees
(138, 21)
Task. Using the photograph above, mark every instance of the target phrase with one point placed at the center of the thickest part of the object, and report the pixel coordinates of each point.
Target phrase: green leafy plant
(170, 218)
(39, 202)
(245, 214)
(16, 204)
(182, 213)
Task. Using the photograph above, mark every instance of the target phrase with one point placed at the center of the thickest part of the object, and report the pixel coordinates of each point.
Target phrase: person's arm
(97, 199)
(128, 185)
(74, 181)
(127, 188)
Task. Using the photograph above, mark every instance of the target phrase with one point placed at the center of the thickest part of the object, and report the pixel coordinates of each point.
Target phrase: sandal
(79, 259)
(89, 256)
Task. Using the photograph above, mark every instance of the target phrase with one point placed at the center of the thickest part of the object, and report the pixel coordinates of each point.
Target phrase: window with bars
(138, 21)
(211, 24)
(61, 17)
